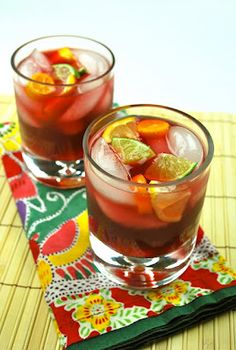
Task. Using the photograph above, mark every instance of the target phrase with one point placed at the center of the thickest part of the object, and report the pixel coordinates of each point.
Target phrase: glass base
(58, 173)
(140, 273)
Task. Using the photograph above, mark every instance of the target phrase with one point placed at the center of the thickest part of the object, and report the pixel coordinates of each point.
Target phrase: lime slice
(167, 167)
(63, 71)
(121, 128)
(132, 151)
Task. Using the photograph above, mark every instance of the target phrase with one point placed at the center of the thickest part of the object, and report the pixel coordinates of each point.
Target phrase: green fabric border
(135, 333)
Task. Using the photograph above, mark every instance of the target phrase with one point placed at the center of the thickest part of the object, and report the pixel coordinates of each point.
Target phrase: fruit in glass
(147, 169)
(61, 84)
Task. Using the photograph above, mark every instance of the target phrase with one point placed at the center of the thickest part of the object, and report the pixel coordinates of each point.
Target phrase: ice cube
(41, 61)
(27, 116)
(105, 186)
(96, 66)
(89, 61)
(83, 105)
(102, 64)
(183, 143)
(105, 101)
(103, 155)
(28, 67)
(35, 62)
(27, 109)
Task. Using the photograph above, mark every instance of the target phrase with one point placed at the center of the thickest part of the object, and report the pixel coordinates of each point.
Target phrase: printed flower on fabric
(9, 138)
(45, 274)
(97, 311)
(176, 293)
(100, 312)
(216, 264)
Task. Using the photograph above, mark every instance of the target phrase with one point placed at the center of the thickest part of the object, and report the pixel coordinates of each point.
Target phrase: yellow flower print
(45, 273)
(171, 293)
(9, 138)
(220, 266)
(97, 311)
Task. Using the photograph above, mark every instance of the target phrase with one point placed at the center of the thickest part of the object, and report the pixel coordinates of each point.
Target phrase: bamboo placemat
(25, 322)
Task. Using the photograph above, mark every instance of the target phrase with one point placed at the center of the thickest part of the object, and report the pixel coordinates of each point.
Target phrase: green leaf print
(85, 330)
(51, 209)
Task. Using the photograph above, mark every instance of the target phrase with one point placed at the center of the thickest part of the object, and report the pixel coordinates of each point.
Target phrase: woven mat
(24, 319)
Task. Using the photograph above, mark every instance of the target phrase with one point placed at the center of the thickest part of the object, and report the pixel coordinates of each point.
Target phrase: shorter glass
(61, 84)
(133, 246)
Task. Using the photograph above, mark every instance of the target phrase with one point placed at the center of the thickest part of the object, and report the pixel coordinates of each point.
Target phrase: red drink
(59, 91)
(148, 208)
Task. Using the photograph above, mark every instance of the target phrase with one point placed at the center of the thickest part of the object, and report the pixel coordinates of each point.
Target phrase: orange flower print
(97, 311)
(172, 293)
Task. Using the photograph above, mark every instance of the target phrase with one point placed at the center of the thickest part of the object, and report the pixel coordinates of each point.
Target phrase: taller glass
(143, 233)
(61, 84)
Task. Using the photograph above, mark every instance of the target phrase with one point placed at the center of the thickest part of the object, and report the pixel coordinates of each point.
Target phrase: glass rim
(15, 69)
(180, 181)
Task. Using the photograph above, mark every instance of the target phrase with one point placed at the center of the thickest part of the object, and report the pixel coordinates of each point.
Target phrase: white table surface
(180, 53)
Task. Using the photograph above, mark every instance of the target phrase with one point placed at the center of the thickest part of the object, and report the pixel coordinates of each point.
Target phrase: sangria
(61, 84)
(147, 169)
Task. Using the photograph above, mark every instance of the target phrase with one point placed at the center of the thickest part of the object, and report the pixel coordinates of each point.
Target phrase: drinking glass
(133, 246)
(53, 114)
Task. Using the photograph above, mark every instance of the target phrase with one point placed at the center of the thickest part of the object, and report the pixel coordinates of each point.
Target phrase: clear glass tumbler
(61, 84)
(143, 234)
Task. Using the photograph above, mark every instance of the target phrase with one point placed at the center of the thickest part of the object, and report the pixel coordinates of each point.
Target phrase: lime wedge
(63, 71)
(132, 151)
(167, 167)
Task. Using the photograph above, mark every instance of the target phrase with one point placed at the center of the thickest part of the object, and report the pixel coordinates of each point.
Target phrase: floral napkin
(91, 312)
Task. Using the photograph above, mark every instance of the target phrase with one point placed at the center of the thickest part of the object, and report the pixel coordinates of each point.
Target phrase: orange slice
(153, 127)
(142, 197)
(169, 206)
(121, 128)
(41, 86)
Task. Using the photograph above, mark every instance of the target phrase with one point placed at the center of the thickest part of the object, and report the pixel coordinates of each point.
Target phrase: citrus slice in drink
(63, 70)
(63, 55)
(142, 197)
(132, 151)
(71, 81)
(40, 85)
(65, 74)
(66, 53)
(169, 206)
(153, 127)
(167, 167)
(121, 128)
